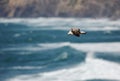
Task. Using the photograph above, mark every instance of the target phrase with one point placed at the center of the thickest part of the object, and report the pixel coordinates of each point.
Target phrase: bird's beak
(70, 33)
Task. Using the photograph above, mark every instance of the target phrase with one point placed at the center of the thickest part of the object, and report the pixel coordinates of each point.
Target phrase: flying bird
(76, 32)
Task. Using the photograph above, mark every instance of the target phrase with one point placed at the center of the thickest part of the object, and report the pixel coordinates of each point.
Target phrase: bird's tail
(82, 32)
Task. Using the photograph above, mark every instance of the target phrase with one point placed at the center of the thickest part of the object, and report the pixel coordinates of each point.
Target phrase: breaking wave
(101, 47)
(65, 23)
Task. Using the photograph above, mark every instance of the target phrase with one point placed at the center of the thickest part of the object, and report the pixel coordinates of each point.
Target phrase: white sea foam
(38, 47)
(66, 23)
(95, 47)
(21, 67)
(17, 35)
(88, 28)
(86, 47)
(91, 69)
(63, 56)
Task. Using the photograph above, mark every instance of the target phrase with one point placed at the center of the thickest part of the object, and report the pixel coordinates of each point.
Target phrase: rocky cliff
(60, 8)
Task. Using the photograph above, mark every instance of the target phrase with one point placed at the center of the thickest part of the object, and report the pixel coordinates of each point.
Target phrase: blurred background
(34, 45)
(60, 8)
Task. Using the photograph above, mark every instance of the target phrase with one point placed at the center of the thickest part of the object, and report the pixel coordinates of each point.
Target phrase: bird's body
(76, 32)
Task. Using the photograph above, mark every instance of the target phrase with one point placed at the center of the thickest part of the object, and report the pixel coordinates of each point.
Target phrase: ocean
(39, 49)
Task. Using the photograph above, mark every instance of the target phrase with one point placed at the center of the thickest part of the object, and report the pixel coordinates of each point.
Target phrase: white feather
(70, 33)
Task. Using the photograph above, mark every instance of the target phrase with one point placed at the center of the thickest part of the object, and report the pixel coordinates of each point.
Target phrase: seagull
(76, 32)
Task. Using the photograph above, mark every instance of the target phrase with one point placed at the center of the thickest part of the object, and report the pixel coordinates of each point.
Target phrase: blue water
(40, 50)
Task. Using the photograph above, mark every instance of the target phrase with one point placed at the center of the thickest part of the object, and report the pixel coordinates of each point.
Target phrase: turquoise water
(39, 49)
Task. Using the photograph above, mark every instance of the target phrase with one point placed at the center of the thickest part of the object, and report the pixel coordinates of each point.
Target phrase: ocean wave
(92, 69)
(87, 47)
(66, 23)
(94, 47)
(53, 20)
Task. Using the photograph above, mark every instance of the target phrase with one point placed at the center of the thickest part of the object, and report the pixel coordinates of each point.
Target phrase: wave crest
(66, 23)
